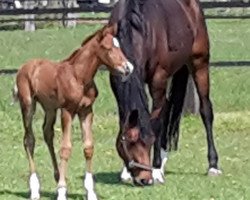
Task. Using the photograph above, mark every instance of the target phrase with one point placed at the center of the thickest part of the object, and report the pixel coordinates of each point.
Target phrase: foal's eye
(116, 42)
(109, 53)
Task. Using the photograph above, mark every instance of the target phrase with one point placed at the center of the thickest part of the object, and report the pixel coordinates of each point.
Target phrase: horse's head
(135, 150)
(111, 54)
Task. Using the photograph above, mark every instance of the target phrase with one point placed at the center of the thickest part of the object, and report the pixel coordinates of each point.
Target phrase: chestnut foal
(69, 86)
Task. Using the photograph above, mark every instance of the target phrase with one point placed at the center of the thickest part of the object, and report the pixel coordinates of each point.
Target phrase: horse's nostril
(146, 181)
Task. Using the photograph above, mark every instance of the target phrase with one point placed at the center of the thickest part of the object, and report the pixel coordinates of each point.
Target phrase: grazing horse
(69, 86)
(163, 39)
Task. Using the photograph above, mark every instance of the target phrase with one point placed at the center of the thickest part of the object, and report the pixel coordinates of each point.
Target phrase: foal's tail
(173, 110)
(14, 94)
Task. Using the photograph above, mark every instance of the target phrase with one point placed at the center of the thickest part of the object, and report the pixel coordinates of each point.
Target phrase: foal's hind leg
(201, 78)
(48, 133)
(28, 108)
(86, 118)
(65, 152)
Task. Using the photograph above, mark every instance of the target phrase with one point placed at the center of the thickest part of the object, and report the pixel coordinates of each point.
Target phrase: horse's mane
(131, 94)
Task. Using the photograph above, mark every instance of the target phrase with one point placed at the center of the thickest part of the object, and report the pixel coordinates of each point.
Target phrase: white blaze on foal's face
(125, 68)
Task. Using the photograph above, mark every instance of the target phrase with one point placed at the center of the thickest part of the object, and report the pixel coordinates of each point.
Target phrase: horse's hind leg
(48, 132)
(200, 73)
(86, 118)
(28, 108)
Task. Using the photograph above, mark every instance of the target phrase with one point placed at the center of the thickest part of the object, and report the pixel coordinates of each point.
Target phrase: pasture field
(185, 171)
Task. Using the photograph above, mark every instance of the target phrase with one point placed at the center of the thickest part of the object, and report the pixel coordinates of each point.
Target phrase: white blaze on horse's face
(116, 42)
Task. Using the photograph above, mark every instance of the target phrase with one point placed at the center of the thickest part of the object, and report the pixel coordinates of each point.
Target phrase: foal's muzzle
(128, 69)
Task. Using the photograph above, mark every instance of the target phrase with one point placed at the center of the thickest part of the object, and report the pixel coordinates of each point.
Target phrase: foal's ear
(110, 29)
(107, 41)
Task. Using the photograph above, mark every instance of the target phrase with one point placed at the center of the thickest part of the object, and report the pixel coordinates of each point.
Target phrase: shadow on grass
(168, 172)
(109, 178)
(113, 178)
(50, 195)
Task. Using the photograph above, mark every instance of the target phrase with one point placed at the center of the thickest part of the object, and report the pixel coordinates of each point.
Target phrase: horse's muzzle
(143, 182)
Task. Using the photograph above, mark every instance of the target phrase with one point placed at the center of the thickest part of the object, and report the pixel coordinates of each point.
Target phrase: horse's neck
(85, 63)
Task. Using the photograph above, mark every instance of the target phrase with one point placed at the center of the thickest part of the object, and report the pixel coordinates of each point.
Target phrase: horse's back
(169, 33)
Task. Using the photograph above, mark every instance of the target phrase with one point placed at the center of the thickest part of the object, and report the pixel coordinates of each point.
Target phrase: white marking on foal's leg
(214, 172)
(125, 175)
(89, 186)
(34, 187)
(61, 193)
(164, 159)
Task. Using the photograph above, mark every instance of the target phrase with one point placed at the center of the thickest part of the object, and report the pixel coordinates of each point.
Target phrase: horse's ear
(133, 119)
(132, 132)
(110, 29)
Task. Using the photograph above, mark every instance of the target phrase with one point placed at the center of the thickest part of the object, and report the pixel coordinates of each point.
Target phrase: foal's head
(110, 53)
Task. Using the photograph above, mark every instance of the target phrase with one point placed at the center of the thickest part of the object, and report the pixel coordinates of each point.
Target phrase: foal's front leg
(86, 118)
(65, 151)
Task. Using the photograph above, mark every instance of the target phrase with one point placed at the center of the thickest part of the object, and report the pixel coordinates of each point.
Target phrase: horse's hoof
(158, 176)
(61, 193)
(214, 172)
(125, 176)
(91, 196)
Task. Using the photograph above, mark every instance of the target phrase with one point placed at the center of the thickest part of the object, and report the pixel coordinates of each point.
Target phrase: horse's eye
(116, 42)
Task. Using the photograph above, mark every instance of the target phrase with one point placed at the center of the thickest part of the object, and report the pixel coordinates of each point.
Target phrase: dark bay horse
(68, 86)
(163, 39)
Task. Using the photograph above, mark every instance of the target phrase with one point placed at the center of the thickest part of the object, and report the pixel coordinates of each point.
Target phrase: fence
(192, 101)
(86, 6)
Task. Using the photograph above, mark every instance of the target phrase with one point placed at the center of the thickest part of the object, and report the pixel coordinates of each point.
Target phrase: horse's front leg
(157, 89)
(65, 152)
(86, 118)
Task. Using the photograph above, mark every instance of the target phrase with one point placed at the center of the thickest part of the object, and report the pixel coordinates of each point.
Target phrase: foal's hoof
(158, 176)
(91, 196)
(35, 198)
(34, 187)
(62, 193)
(214, 172)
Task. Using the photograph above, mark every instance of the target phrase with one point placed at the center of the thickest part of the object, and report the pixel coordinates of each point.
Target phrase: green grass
(229, 42)
(185, 179)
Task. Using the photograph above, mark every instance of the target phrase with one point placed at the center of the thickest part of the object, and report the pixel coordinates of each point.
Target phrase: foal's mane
(98, 34)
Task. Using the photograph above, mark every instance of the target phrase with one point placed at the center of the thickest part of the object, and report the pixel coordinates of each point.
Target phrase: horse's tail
(174, 107)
